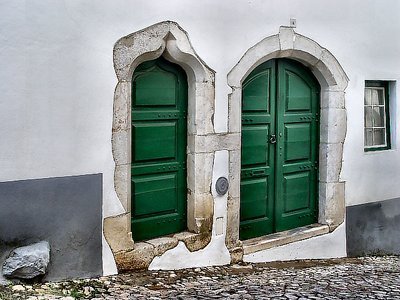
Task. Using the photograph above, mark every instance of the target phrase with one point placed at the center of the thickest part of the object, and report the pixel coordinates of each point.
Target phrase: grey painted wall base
(65, 211)
(373, 228)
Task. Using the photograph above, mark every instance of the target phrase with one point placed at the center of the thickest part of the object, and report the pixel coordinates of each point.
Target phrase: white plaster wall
(57, 78)
(332, 245)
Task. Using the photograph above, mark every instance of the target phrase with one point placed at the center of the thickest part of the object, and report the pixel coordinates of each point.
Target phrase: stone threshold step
(283, 238)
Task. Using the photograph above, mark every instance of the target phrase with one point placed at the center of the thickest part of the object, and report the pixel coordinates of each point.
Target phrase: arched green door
(158, 189)
(280, 142)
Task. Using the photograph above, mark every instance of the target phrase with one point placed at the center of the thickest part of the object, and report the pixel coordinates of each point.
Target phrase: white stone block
(332, 99)
(339, 77)
(122, 180)
(229, 141)
(200, 172)
(203, 207)
(204, 109)
(332, 203)
(190, 161)
(333, 125)
(121, 147)
(330, 162)
(307, 50)
(286, 38)
(233, 221)
(235, 110)
(234, 173)
(122, 106)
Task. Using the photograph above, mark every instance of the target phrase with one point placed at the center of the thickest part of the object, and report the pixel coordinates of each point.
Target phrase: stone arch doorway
(279, 154)
(333, 82)
(169, 40)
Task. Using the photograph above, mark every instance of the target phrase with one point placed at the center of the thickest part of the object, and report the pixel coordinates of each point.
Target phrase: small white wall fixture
(333, 81)
(172, 42)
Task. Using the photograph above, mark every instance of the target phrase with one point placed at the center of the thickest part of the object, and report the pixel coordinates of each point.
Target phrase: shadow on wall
(65, 211)
(373, 228)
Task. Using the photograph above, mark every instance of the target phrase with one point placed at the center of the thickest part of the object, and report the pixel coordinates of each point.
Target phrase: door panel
(150, 189)
(256, 95)
(150, 134)
(255, 150)
(159, 105)
(296, 192)
(279, 180)
(297, 142)
(155, 88)
(298, 93)
(254, 205)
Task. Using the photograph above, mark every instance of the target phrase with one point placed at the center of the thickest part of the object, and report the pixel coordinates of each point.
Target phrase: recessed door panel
(158, 140)
(296, 192)
(154, 194)
(256, 93)
(254, 204)
(297, 141)
(280, 142)
(158, 188)
(298, 93)
(255, 148)
(155, 88)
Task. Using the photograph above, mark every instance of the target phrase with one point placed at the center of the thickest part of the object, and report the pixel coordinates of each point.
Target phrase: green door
(280, 142)
(158, 182)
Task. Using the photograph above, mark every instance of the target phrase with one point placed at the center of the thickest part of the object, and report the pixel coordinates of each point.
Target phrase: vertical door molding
(333, 81)
(171, 41)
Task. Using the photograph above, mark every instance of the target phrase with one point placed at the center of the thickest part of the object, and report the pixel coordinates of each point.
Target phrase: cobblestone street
(361, 278)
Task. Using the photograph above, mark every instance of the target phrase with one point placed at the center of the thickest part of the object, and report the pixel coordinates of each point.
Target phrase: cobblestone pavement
(361, 278)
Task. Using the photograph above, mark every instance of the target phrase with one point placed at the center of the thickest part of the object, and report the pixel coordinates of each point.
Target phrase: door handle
(272, 139)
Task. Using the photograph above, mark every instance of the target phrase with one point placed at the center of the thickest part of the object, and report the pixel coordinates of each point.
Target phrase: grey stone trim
(333, 81)
(171, 41)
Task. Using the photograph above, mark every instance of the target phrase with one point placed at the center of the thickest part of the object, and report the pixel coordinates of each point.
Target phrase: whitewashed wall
(57, 79)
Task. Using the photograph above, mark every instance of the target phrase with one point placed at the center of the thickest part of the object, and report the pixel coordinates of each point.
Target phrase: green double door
(158, 180)
(280, 142)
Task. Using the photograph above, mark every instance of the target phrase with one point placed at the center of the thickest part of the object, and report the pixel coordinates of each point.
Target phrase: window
(376, 116)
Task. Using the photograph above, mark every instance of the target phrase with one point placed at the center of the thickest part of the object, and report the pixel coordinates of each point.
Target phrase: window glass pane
(381, 98)
(378, 115)
(374, 97)
(368, 137)
(367, 97)
(368, 116)
(379, 137)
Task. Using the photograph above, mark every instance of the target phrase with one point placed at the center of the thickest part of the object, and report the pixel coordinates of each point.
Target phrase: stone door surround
(333, 80)
(171, 41)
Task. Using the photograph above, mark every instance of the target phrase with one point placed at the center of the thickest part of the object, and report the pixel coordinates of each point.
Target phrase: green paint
(158, 187)
(279, 180)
